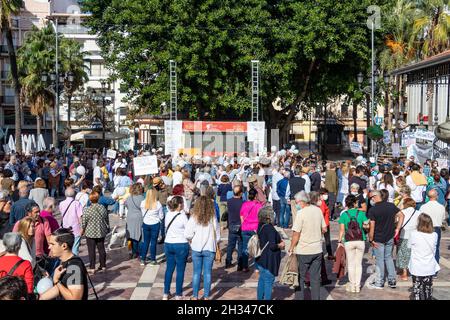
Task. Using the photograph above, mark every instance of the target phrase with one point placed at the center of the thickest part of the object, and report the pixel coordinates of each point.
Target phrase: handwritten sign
(442, 163)
(145, 165)
(425, 135)
(355, 147)
(111, 154)
(396, 150)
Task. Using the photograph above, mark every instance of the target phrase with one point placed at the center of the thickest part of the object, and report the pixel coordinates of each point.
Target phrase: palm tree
(72, 58)
(431, 34)
(34, 58)
(8, 8)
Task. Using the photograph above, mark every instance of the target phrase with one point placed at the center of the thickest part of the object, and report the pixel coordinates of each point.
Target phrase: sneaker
(392, 284)
(154, 263)
(166, 296)
(356, 289)
(142, 263)
(179, 298)
(375, 286)
(349, 287)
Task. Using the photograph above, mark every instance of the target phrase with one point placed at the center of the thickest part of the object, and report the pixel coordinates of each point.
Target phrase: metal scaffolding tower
(255, 90)
(173, 89)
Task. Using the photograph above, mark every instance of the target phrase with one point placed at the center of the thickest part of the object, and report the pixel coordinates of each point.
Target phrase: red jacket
(339, 264)
(24, 270)
(326, 213)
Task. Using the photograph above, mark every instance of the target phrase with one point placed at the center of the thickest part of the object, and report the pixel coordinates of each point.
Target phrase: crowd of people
(50, 202)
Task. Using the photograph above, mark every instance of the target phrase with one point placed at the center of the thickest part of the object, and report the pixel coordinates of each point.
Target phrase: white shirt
(175, 234)
(307, 183)
(202, 237)
(275, 178)
(97, 174)
(435, 210)
(83, 198)
(152, 216)
(390, 189)
(423, 247)
(412, 224)
(344, 185)
(416, 191)
(177, 178)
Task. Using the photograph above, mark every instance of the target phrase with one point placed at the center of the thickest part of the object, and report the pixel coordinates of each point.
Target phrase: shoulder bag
(218, 257)
(170, 223)
(64, 214)
(397, 238)
(253, 247)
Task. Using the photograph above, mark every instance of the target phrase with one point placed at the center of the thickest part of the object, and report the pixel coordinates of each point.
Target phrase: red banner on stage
(215, 126)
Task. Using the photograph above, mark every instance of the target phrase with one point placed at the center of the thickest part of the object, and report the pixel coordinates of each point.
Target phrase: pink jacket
(249, 212)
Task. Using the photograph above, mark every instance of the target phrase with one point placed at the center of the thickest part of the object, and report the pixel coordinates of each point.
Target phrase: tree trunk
(355, 125)
(54, 133)
(15, 83)
(38, 125)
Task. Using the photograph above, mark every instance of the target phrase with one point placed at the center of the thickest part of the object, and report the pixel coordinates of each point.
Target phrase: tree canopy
(309, 50)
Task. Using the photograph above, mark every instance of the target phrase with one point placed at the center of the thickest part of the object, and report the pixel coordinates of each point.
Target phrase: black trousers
(276, 209)
(100, 244)
(332, 204)
(328, 242)
(422, 287)
(311, 263)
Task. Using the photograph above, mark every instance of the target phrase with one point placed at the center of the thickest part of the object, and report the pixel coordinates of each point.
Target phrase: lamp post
(386, 79)
(360, 79)
(56, 84)
(102, 94)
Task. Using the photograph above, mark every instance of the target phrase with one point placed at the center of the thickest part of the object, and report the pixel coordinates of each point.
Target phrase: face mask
(372, 203)
(297, 206)
(325, 197)
(355, 193)
(319, 203)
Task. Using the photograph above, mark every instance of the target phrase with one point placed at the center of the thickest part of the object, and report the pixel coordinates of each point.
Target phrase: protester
(95, 227)
(134, 218)
(71, 212)
(423, 265)
(39, 192)
(47, 211)
(152, 214)
(409, 224)
(13, 288)
(234, 206)
(203, 233)
(176, 247)
(18, 208)
(271, 244)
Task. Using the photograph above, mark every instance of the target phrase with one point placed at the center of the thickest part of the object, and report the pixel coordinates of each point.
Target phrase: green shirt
(345, 220)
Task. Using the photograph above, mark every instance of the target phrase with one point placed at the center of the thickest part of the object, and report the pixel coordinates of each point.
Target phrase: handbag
(397, 237)
(218, 257)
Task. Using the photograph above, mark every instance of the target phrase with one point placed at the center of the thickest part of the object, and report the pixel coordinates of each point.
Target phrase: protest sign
(111, 154)
(145, 165)
(355, 147)
(396, 150)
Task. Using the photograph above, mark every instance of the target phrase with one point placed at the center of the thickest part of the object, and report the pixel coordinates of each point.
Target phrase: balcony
(73, 29)
(8, 100)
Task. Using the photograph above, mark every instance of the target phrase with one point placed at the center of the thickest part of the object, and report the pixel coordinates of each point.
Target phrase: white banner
(396, 150)
(256, 134)
(408, 138)
(442, 163)
(145, 165)
(424, 135)
(356, 147)
(420, 153)
(173, 137)
(111, 154)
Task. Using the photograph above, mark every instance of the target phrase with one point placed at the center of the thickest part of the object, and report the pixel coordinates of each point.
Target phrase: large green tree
(305, 48)
(8, 9)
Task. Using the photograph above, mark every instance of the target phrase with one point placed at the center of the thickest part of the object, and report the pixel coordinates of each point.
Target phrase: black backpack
(354, 232)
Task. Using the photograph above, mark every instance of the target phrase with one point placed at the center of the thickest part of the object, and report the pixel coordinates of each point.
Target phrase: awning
(97, 135)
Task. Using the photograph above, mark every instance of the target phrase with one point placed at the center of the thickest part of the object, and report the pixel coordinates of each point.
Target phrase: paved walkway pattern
(125, 279)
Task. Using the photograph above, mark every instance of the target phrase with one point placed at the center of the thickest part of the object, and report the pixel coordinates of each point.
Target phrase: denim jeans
(150, 232)
(176, 255)
(76, 245)
(134, 246)
(203, 263)
(53, 192)
(265, 284)
(163, 225)
(246, 235)
(233, 239)
(438, 231)
(383, 255)
(285, 213)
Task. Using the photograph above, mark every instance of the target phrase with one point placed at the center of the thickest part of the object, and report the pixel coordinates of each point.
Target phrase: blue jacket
(18, 210)
(283, 189)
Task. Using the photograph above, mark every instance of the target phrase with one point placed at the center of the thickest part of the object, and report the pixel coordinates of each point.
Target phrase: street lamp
(386, 98)
(102, 94)
(360, 79)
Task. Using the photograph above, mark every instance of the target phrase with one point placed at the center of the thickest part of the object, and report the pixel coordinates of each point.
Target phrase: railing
(7, 99)
(73, 29)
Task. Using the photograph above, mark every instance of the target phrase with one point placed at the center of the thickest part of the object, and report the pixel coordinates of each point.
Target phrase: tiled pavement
(125, 279)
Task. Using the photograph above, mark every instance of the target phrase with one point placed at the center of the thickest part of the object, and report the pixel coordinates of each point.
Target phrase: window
(96, 69)
(8, 116)
(28, 118)
(344, 110)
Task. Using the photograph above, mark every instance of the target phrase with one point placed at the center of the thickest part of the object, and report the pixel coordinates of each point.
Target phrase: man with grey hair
(437, 213)
(277, 175)
(71, 211)
(12, 165)
(13, 265)
(307, 243)
(18, 208)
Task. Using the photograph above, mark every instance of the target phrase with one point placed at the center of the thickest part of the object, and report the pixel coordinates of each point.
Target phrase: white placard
(256, 134)
(442, 163)
(173, 134)
(111, 154)
(145, 165)
(387, 137)
(396, 150)
(355, 147)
